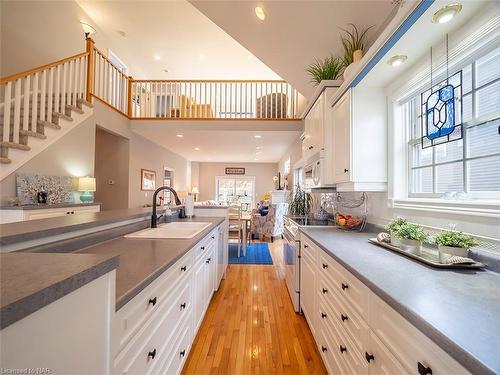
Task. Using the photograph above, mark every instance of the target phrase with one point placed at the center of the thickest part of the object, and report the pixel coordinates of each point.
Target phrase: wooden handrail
(40, 68)
(205, 81)
(100, 53)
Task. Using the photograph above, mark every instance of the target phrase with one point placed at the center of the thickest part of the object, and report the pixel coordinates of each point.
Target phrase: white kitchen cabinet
(360, 140)
(15, 215)
(356, 332)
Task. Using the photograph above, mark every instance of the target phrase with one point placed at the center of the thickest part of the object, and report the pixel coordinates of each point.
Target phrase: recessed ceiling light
(255, 159)
(397, 60)
(259, 12)
(179, 136)
(209, 159)
(258, 153)
(445, 14)
(202, 57)
(250, 57)
(157, 57)
(197, 149)
(258, 147)
(257, 136)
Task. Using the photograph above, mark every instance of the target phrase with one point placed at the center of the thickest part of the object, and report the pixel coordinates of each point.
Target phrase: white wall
(294, 152)
(263, 172)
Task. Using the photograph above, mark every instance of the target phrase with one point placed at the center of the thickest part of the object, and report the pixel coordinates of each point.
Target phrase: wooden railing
(92, 75)
(39, 94)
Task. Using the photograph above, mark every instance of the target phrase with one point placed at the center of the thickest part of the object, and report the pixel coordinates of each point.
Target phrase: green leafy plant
(329, 68)
(300, 202)
(409, 231)
(394, 225)
(353, 40)
(455, 239)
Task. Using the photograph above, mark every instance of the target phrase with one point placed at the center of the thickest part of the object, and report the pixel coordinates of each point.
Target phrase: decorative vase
(395, 241)
(452, 250)
(412, 246)
(357, 55)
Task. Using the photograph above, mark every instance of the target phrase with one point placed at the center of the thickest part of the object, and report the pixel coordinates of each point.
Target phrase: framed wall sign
(148, 179)
(234, 170)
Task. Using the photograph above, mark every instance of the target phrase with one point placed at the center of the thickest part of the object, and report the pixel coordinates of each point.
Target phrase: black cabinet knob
(72, 212)
(311, 147)
(152, 354)
(369, 357)
(324, 291)
(344, 286)
(67, 213)
(343, 317)
(183, 305)
(208, 260)
(306, 246)
(203, 247)
(342, 349)
(152, 301)
(323, 348)
(346, 170)
(325, 265)
(323, 315)
(183, 268)
(424, 370)
(182, 353)
(213, 237)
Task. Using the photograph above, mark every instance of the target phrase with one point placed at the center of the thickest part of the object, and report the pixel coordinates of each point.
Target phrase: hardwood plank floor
(251, 328)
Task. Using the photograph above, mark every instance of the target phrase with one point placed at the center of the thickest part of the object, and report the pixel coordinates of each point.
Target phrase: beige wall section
(263, 172)
(72, 155)
(111, 165)
(294, 152)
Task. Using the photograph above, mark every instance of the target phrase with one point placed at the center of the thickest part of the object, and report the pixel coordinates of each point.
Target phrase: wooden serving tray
(427, 257)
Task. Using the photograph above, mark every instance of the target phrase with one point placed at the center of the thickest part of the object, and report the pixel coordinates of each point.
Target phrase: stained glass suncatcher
(441, 112)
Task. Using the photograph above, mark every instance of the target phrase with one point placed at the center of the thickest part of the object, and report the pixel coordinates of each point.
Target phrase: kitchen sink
(171, 230)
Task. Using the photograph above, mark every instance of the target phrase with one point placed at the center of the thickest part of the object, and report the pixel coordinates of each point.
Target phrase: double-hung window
(469, 167)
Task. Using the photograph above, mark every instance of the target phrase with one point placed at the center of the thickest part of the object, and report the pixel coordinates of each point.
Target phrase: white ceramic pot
(395, 241)
(459, 251)
(348, 71)
(412, 246)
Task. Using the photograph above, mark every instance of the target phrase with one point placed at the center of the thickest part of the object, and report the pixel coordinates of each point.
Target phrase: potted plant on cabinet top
(392, 227)
(353, 42)
(455, 243)
(325, 70)
(300, 203)
(411, 236)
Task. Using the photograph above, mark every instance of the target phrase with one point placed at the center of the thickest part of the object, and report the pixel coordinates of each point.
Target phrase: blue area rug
(257, 253)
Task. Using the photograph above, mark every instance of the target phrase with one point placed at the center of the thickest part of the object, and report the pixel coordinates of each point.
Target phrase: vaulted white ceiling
(186, 43)
(294, 32)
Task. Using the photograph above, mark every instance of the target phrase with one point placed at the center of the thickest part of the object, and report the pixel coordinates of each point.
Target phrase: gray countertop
(457, 309)
(34, 229)
(48, 206)
(143, 260)
(29, 282)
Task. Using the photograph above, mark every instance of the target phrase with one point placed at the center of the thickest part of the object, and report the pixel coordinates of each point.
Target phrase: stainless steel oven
(291, 256)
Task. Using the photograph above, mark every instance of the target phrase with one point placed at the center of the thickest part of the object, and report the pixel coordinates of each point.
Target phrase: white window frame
(252, 178)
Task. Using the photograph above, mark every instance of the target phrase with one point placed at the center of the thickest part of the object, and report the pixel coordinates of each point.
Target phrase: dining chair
(235, 226)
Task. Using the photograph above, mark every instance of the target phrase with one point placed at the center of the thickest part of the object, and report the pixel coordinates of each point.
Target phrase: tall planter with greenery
(353, 42)
(300, 202)
(330, 68)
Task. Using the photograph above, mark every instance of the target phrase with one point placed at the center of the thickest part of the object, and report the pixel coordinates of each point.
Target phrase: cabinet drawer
(349, 287)
(308, 250)
(177, 357)
(407, 343)
(383, 361)
(332, 363)
(205, 245)
(149, 347)
(131, 317)
(351, 324)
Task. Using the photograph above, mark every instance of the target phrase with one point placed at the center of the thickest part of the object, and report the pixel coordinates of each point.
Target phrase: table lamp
(195, 192)
(87, 186)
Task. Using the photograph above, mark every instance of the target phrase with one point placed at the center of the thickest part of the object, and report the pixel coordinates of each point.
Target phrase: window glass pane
(449, 151)
(421, 180)
(449, 177)
(484, 174)
(467, 108)
(467, 79)
(488, 68)
(421, 157)
(488, 99)
(483, 139)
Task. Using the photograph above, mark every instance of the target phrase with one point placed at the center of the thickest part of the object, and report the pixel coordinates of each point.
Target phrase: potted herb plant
(455, 243)
(353, 42)
(411, 236)
(328, 69)
(300, 203)
(392, 227)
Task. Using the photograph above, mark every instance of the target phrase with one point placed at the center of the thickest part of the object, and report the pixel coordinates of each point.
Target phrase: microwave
(314, 174)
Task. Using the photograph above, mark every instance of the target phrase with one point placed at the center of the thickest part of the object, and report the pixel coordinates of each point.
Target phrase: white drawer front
(131, 317)
(350, 288)
(205, 244)
(175, 360)
(150, 345)
(408, 344)
(382, 361)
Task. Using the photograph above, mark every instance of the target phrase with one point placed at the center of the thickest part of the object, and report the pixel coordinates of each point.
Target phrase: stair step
(5, 160)
(61, 115)
(48, 124)
(33, 134)
(83, 101)
(73, 108)
(17, 146)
